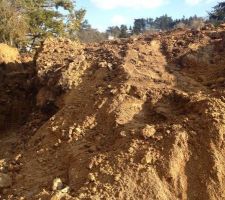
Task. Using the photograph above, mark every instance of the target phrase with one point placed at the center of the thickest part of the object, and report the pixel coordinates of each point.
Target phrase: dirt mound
(142, 119)
(8, 54)
(59, 63)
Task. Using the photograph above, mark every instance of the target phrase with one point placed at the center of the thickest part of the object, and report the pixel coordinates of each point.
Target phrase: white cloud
(193, 2)
(196, 2)
(118, 20)
(111, 4)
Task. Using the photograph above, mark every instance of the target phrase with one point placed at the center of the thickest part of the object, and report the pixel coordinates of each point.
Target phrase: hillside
(138, 118)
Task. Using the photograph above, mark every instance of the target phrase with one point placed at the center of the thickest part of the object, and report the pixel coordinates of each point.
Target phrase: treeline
(88, 34)
(158, 24)
(24, 23)
(165, 22)
(162, 23)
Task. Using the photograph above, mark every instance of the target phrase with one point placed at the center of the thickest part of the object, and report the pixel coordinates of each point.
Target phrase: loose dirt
(8, 54)
(138, 118)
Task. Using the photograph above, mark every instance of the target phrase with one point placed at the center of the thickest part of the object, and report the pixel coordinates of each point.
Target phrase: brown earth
(138, 118)
(8, 54)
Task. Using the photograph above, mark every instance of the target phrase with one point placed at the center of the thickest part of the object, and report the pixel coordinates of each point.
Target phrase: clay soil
(134, 119)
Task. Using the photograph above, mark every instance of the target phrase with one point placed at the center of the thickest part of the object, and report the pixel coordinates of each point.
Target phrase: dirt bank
(139, 118)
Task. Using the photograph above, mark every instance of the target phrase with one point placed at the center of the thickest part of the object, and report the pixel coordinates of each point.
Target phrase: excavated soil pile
(59, 65)
(139, 118)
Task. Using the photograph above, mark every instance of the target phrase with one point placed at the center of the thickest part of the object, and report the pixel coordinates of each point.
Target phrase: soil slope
(138, 118)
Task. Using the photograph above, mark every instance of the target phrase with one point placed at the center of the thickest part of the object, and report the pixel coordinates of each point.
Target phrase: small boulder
(91, 177)
(57, 184)
(110, 66)
(148, 131)
(147, 159)
(65, 190)
(117, 177)
(102, 64)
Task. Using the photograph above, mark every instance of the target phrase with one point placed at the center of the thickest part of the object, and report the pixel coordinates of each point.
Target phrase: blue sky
(104, 13)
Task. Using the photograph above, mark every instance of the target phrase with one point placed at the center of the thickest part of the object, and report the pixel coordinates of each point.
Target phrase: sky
(104, 13)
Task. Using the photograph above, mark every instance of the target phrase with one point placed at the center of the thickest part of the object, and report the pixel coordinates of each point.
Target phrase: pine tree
(123, 31)
(30, 21)
(139, 26)
(218, 13)
(45, 19)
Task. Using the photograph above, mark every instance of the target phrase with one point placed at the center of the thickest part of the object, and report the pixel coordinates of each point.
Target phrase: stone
(57, 184)
(66, 189)
(110, 66)
(117, 177)
(148, 131)
(5, 180)
(168, 131)
(131, 150)
(18, 157)
(91, 177)
(102, 64)
(147, 159)
(113, 91)
(78, 130)
(94, 189)
(3, 166)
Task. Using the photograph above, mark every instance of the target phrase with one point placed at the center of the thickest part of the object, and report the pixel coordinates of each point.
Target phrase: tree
(13, 25)
(87, 34)
(218, 13)
(45, 19)
(139, 26)
(85, 25)
(123, 31)
(130, 31)
(164, 22)
(74, 23)
(113, 31)
(150, 23)
(35, 20)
